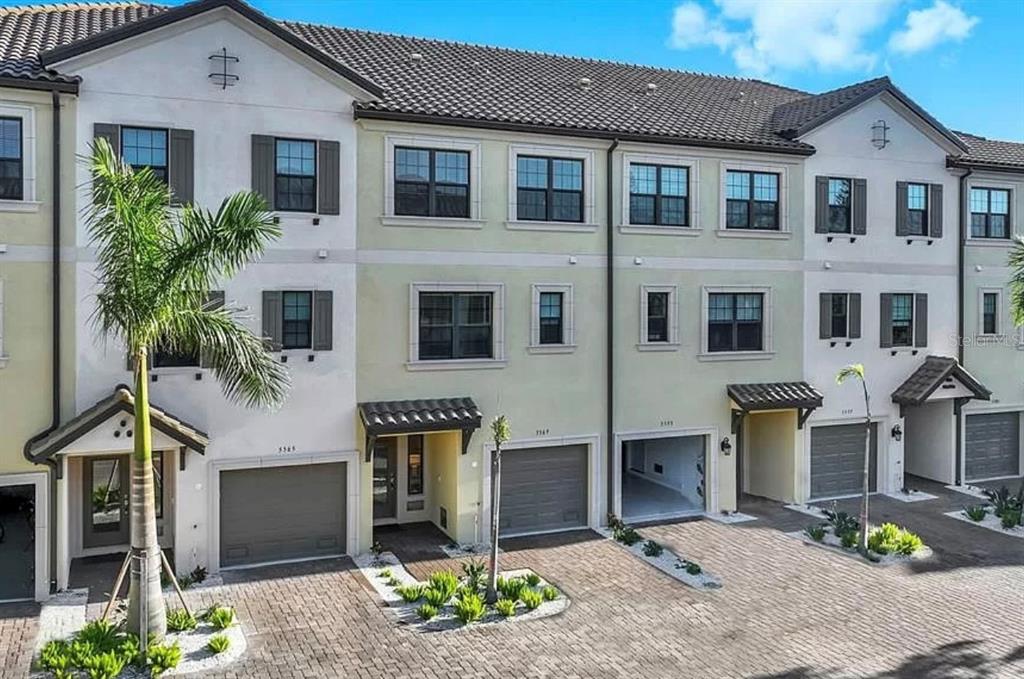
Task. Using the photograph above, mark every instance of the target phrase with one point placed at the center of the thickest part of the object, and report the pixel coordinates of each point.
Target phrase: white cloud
(926, 28)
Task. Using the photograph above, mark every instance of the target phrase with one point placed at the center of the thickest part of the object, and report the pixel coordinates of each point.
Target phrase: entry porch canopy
(387, 418)
(939, 378)
(748, 398)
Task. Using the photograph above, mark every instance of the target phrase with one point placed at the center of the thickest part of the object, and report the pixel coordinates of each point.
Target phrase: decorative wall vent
(220, 66)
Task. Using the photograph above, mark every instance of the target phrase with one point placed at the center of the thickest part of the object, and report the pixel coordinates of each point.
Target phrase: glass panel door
(105, 494)
(385, 479)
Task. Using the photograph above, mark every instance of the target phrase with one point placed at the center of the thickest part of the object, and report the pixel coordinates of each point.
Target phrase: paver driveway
(787, 610)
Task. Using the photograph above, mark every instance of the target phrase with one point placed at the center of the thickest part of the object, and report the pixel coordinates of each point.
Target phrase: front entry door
(385, 479)
(105, 494)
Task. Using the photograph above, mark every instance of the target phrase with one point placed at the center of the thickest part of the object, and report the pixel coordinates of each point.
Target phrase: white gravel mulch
(729, 517)
(669, 563)
(453, 551)
(832, 543)
(973, 491)
(911, 496)
(991, 521)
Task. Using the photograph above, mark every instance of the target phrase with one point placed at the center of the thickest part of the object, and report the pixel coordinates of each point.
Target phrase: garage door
(279, 513)
(837, 460)
(993, 445)
(543, 489)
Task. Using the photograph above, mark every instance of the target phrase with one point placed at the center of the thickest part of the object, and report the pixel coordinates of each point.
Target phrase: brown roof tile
(930, 375)
(774, 395)
(398, 417)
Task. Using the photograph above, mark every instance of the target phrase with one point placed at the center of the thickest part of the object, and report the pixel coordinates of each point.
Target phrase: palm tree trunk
(492, 576)
(867, 472)
(145, 597)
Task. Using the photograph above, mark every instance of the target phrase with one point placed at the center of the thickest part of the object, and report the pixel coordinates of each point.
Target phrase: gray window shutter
(273, 320)
(263, 168)
(935, 211)
(215, 300)
(825, 315)
(181, 165)
(853, 315)
(860, 207)
(110, 132)
(323, 320)
(901, 209)
(920, 320)
(885, 320)
(821, 205)
(329, 179)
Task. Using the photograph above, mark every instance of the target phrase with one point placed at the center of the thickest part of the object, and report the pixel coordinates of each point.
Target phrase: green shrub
(848, 539)
(163, 657)
(474, 571)
(510, 588)
(815, 532)
(506, 607)
(908, 543)
(80, 650)
(394, 582)
(614, 522)
(841, 522)
(179, 620)
(883, 539)
(1010, 518)
(532, 579)
(435, 598)
(103, 665)
(384, 574)
(465, 590)
(469, 608)
(444, 582)
(411, 593)
(198, 574)
(222, 617)
(426, 611)
(102, 634)
(128, 648)
(56, 658)
(218, 643)
(626, 535)
(530, 599)
(976, 512)
(1002, 501)
(653, 549)
(549, 593)
(693, 568)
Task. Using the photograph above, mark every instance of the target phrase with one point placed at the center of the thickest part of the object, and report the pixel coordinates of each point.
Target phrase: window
(455, 325)
(751, 200)
(659, 195)
(145, 147)
(917, 209)
(990, 213)
(297, 320)
(902, 320)
(990, 313)
(431, 182)
(839, 192)
(12, 165)
(551, 324)
(735, 321)
(166, 358)
(840, 315)
(549, 189)
(657, 316)
(295, 175)
(414, 476)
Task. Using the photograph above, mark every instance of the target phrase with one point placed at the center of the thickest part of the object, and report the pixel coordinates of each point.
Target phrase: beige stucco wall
(771, 441)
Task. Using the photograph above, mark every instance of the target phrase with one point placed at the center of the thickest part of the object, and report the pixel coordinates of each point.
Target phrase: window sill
(657, 346)
(457, 364)
(298, 216)
(176, 370)
(1002, 243)
(911, 351)
(19, 206)
(431, 222)
(653, 230)
(916, 239)
(551, 348)
(736, 356)
(766, 234)
(572, 227)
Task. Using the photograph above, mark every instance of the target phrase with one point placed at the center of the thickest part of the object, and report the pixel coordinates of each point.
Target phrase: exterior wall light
(725, 446)
(880, 134)
(897, 432)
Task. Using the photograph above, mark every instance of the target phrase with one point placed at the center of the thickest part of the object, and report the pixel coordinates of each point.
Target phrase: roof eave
(43, 84)
(969, 164)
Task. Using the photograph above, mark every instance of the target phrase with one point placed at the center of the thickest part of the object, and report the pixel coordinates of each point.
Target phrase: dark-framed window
(551, 318)
(917, 209)
(989, 313)
(903, 320)
(12, 160)
(414, 475)
(657, 316)
(840, 314)
(163, 357)
(456, 325)
(751, 200)
(549, 189)
(659, 194)
(839, 215)
(990, 213)
(431, 182)
(295, 175)
(145, 147)
(297, 319)
(735, 321)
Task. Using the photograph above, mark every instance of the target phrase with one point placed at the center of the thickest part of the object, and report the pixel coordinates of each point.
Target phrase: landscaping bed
(447, 601)
(838, 531)
(1004, 512)
(664, 559)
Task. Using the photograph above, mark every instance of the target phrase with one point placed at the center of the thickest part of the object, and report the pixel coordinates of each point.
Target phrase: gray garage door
(543, 489)
(278, 513)
(993, 445)
(837, 460)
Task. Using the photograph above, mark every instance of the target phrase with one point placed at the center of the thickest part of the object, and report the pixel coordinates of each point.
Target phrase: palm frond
(855, 370)
(1016, 263)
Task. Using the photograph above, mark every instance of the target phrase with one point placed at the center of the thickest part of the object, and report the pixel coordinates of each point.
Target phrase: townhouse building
(655, 275)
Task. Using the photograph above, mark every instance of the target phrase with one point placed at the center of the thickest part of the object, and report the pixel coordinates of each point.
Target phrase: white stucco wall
(930, 428)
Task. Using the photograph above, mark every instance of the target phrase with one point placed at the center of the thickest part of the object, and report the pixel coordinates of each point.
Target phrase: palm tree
(1016, 263)
(501, 432)
(155, 266)
(856, 371)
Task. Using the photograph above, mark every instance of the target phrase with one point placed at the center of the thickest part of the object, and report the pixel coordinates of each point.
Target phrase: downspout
(961, 256)
(610, 316)
(55, 405)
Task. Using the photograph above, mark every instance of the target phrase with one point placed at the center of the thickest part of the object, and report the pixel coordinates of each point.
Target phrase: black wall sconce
(897, 432)
(725, 446)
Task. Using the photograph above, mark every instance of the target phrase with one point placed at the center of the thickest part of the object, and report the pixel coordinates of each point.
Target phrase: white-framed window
(736, 322)
(753, 200)
(552, 319)
(990, 312)
(659, 318)
(660, 194)
(432, 181)
(551, 188)
(17, 158)
(456, 326)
